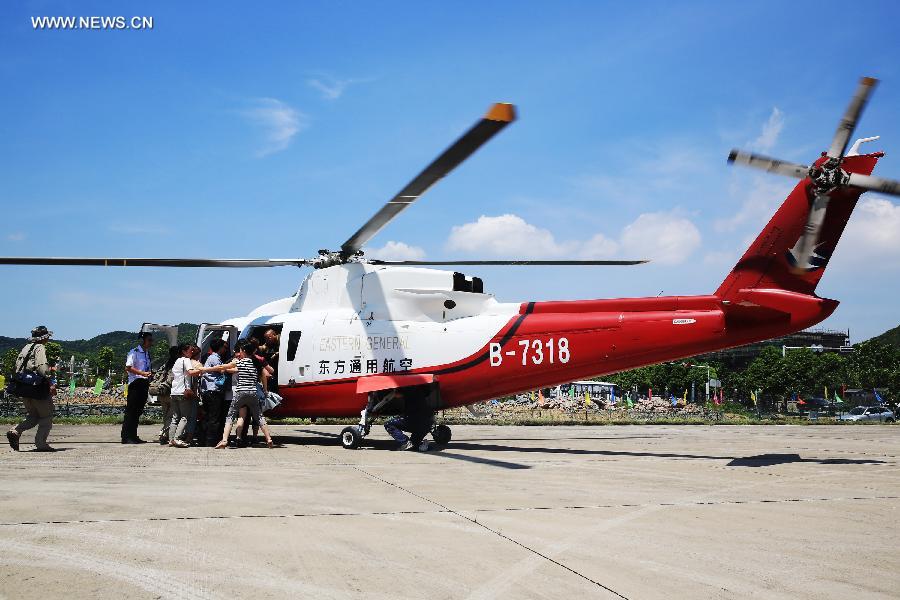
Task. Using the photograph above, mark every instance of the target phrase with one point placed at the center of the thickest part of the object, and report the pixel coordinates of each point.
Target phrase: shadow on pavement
(770, 460)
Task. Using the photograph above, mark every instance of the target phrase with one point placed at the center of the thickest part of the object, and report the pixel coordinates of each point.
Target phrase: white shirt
(181, 379)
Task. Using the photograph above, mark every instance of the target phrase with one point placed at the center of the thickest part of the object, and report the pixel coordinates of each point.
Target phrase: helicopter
(358, 328)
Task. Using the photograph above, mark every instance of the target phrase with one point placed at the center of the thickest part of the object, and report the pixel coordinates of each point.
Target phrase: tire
(350, 438)
(442, 435)
(889, 420)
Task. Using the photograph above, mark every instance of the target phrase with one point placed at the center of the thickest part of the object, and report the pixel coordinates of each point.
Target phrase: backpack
(29, 384)
(161, 382)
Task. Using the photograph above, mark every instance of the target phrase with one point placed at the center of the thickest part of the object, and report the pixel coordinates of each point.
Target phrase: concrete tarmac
(503, 512)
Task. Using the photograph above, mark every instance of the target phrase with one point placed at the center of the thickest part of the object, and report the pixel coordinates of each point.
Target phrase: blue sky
(273, 131)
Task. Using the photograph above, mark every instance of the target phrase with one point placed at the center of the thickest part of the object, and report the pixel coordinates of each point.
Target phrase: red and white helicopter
(358, 326)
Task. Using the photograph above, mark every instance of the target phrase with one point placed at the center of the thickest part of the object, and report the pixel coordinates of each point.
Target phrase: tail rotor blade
(805, 248)
(875, 184)
(851, 117)
(770, 165)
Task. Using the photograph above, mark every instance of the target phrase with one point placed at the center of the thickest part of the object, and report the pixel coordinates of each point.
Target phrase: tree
(54, 350)
(9, 362)
(106, 359)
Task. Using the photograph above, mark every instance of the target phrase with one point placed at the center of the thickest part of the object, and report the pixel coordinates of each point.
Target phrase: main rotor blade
(875, 184)
(772, 165)
(154, 262)
(498, 117)
(527, 263)
(851, 117)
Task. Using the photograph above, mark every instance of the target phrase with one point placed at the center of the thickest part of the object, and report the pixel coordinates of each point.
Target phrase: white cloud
(872, 234)
(279, 122)
(395, 251)
(759, 196)
(507, 235)
(664, 237)
(771, 129)
(16, 236)
(331, 88)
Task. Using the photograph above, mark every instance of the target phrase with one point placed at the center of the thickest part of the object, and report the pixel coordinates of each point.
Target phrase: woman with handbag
(161, 387)
(184, 398)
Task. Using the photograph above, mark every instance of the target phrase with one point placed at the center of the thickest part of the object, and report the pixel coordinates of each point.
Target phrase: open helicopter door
(169, 331)
(212, 331)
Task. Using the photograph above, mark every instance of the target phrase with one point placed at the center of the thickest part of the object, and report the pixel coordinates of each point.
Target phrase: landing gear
(441, 435)
(351, 437)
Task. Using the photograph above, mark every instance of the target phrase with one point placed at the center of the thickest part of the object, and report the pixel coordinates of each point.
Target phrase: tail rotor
(826, 176)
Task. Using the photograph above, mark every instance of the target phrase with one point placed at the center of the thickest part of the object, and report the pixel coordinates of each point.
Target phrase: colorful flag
(683, 401)
(72, 386)
(717, 397)
(826, 393)
(612, 396)
(98, 387)
(587, 398)
(753, 397)
(572, 392)
(541, 397)
(2, 382)
(650, 394)
(878, 397)
(837, 399)
(628, 401)
(673, 400)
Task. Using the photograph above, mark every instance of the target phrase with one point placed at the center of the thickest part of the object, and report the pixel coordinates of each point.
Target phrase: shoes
(46, 449)
(424, 446)
(13, 439)
(241, 443)
(407, 445)
(163, 440)
(138, 440)
(179, 444)
(232, 442)
(130, 441)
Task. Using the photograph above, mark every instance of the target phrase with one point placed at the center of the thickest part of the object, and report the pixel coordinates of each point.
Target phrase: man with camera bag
(32, 383)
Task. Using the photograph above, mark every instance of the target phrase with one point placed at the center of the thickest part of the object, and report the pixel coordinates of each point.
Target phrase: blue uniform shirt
(140, 360)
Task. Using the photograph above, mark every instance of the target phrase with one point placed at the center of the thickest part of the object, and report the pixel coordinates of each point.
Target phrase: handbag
(160, 385)
(27, 383)
(270, 401)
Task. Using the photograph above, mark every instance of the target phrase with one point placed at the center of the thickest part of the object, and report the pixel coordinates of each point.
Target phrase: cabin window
(293, 343)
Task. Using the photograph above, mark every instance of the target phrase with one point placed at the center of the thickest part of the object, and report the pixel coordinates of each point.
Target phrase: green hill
(120, 341)
(891, 336)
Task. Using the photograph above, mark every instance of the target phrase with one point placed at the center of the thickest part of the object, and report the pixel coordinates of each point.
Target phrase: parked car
(821, 405)
(869, 413)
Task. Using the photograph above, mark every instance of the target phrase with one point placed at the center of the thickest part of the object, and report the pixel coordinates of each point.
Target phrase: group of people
(231, 390)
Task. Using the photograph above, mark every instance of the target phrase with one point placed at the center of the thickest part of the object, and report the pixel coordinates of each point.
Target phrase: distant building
(824, 340)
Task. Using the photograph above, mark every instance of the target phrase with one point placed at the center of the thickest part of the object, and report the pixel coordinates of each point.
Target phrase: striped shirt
(247, 376)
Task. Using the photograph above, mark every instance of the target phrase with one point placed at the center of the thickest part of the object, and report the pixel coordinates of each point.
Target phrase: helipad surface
(504, 512)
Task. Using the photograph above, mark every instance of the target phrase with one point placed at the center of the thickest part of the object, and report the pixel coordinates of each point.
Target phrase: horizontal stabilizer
(802, 308)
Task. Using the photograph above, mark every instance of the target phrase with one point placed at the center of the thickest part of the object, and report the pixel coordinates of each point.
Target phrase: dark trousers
(214, 410)
(138, 391)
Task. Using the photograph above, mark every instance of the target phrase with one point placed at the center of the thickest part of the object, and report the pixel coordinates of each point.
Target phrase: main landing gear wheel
(351, 437)
(442, 435)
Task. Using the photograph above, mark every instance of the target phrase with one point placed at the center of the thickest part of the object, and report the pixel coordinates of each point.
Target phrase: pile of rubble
(114, 394)
(568, 404)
